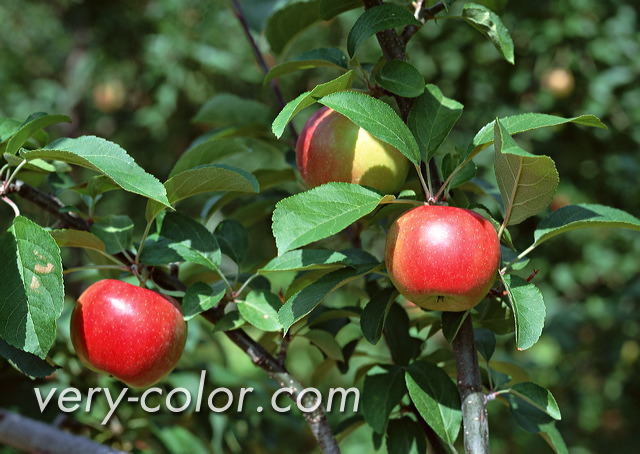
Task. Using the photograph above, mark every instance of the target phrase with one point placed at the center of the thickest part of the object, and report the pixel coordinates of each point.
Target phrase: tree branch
(237, 10)
(474, 410)
(33, 436)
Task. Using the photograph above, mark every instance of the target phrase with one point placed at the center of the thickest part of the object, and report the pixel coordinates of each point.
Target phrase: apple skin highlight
(442, 258)
(132, 333)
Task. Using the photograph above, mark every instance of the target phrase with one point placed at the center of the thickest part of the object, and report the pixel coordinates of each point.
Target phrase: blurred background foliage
(136, 72)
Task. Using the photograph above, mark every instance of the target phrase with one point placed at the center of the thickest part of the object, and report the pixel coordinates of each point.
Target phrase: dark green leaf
(201, 297)
(229, 321)
(405, 436)
(27, 363)
(284, 24)
(182, 239)
(380, 394)
(208, 152)
(376, 19)
(233, 239)
(402, 345)
(33, 290)
(528, 310)
(260, 308)
(485, 342)
(107, 158)
(304, 301)
(401, 78)
(489, 24)
(377, 117)
(533, 420)
(436, 397)
(115, 231)
(537, 396)
(375, 313)
(328, 9)
(307, 98)
(451, 322)
(321, 212)
(431, 119)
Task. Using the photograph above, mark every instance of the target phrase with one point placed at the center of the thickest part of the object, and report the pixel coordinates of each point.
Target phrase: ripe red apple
(442, 258)
(129, 332)
(333, 148)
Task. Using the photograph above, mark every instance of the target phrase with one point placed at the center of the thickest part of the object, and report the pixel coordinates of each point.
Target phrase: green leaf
(375, 313)
(401, 78)
(178, 439)
(436, 397)
(27, 363)
(260, 308)
(539, 397)
(490, 25)
(36, 165)
(573, 217)
(34, 123)
(8, 127)
(226, 109)
(528, 310)
(305, 300)
(527, 182)
(377, 117)
(307, 98)
(316, 58)
(208, 152)
(380, 394)
(526, 122)
(182, 239)
(375, 20)
(326, 342)
(115, 232)
(33, 290)
(405, 436)
(233, 239)
(77, 238)
(305, 259)
(431, 119)
(107, 158)
(201, 297)
(320, 212)
(285, 23)
(206, 178)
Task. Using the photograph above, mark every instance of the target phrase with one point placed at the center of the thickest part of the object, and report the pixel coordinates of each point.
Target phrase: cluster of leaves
(240, 173)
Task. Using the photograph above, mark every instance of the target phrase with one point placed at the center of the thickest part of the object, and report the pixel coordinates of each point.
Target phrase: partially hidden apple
(132, 333)
(333, 148)
(442, 258)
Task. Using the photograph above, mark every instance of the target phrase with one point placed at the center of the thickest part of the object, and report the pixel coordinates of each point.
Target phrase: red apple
(333, 148)
(129, 332)
(442, 258)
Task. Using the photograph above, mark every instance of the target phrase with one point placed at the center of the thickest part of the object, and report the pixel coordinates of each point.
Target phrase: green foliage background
(137, 72)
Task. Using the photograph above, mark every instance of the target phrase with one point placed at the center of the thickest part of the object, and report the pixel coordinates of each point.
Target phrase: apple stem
(425, 186)
(474, 411)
